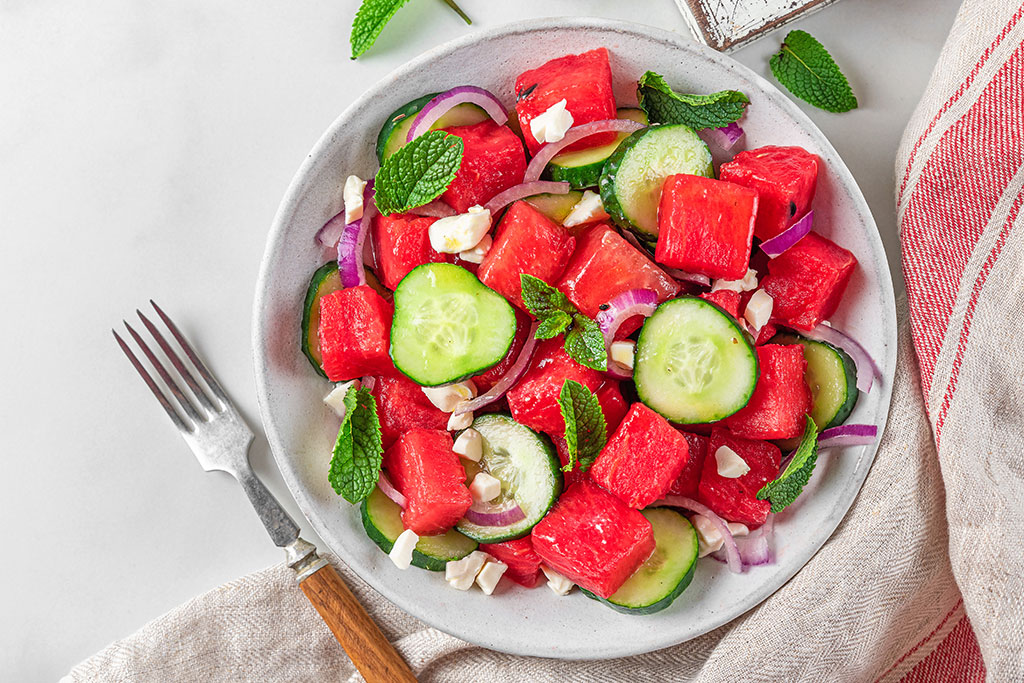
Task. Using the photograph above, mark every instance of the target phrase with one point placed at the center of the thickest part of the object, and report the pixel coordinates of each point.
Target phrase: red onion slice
(331, 232)
(508, 379)
(488, 514)
(368, 382)
(621, 308)
(575, 134)
(385, 486)
(725, 137)
(732, 552)
(352, 242)
(618, 370)
(848, 435)
(463, 94)
(688, 277)
(756, 548)
(435, 209)
(513, 194)
(788, 237)
(867, 369)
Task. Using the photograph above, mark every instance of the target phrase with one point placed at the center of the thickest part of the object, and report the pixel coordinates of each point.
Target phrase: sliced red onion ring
(618, 370)
(512, 194)
(688, 277)
(867, 369)
(488, 514)
(385, 486)
(331, 232)
(463, 94)
(435, 209)
(788, 237)
(351, 244)
(725, 137)
(621, 308)
(756, 548)
(732, 552)
(575, 134)
(368, 382)
(848, 435)
(508, 379)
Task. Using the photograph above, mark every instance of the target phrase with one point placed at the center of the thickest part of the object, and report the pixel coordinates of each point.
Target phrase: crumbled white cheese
(401, 551)
(460, 421)
(485, 487)
(730, 464)
(336, 398)
(737, 529)
(489, 576)
(748, 283)
(353, 196)
(552, 124)
(448, 397)
(460, 574)
(759, 309)
(556, 582)
(588, 208)
(709, 538)
(469, 445)
(477, 253)
(623, 352)
(460, 233)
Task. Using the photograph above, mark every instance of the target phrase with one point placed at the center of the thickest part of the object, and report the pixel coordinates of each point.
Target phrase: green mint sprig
(355, 464)
(418, 173)
(785, 489)
(374, 15)
(585, 430)
(584, 341)
(808, 71)
(664, 105)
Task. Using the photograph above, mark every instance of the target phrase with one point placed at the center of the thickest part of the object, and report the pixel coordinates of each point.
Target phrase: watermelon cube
(781, 399)
(605, 265)
(355, 333)
(534, 400)
(688, 480)
(585, 83)
(613, 405)
(593, 538)
(706, 226)
(523, 562)
(493, 160)
(735, 500)
(402, 242)
(488, 379)
(527, 241)
(428, 473)
(642, 459)
(784, 179)
(401, 406)
(807, 281)
(726, 299)
(765, 334)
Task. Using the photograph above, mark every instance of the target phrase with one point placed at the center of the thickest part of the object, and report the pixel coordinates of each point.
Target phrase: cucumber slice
(382, 520)
(632, 177)
(555, 206)
(393, 133)
(447, 325)
(832, 376)
(583, 168)
(528, 468)
(693, 363)
(666, 573)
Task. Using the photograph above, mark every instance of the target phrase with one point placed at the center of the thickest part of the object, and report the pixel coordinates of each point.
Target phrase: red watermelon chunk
(592, 538)
(642, 459)
(706, 226)
(613, 405)
(688, 480)
(726, 299)
(534, 400)
(493, 160)
(428, 473)
(585, 83)
(781, 400)
(765, 334)
(527, 242)
(402, 243)
(784, 179)
(807, 281)
(523, 562)
(402, 405)
(355, 332)
(736, 499)
(488, 379)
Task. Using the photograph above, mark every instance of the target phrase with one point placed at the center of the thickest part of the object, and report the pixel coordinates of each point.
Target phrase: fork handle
(370, 651)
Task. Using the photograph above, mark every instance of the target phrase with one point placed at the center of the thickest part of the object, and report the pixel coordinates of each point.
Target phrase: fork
(220, 439)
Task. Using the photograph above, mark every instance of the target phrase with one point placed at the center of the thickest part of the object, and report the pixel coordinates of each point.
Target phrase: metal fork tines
(208, 421)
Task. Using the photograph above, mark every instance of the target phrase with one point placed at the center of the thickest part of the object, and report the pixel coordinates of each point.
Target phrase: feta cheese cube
(459, 233)
(709, 538)
(556, 582)
(489, 576)
(730, 464)
(588, 208)
(353, 196)
(552, 125)
(748, 283)
(477, 253)
(623, 352)
(336, 398)
(448, 397)
(460, 421)
(401, 551)
(460, 574)
(469, 445)
(759, 309)
(737, 529)
(485, 488)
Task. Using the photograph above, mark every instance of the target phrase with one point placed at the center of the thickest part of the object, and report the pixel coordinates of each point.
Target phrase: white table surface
(143, 149)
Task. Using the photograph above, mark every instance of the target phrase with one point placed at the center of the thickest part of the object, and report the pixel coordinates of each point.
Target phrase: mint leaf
(418, 173)
(664, 105)
(585, 429)
(372, 17)
(785, 489)
(808, 71)
(584, 343)
(355, 465)
(553, 325)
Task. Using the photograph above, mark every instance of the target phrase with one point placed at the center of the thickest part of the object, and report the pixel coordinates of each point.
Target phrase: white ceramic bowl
(301, 430)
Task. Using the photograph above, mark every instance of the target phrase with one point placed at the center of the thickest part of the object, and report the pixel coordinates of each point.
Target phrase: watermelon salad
(567, 341)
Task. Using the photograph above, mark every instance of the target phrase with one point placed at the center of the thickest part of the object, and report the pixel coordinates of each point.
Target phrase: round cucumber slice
(632, 178)
(666, 573)
(582, 168)
(382, 520)
(393, 133)
(832, 377)
(528, 468)
(693, 363)
(555, 206)
(447, 325)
